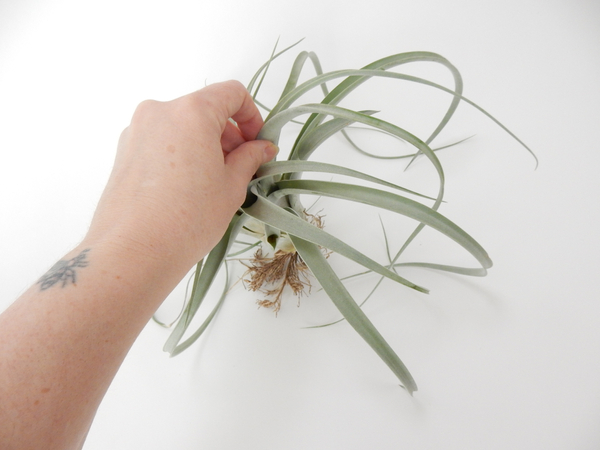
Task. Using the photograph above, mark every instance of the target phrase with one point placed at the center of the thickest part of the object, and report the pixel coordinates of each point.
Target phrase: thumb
(245, 160)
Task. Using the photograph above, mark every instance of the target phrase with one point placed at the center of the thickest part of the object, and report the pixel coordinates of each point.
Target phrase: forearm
(181, 172)
(62, 342)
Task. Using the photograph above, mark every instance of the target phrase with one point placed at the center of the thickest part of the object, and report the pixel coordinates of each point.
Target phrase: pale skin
(179, 176)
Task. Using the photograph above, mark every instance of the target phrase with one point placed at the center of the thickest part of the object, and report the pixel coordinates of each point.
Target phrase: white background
(510, 361)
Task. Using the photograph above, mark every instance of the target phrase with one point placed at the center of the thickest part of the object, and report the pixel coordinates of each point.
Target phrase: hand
(181, 172)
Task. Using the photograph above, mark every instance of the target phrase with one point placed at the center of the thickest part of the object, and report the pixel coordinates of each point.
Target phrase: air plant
(297, 242)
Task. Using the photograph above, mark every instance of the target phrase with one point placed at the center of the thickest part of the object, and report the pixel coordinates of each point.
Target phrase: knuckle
(221, 94)
(147, 105)
(146, 110)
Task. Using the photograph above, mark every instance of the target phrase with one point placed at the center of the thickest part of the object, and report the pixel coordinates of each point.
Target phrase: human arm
(179, 176)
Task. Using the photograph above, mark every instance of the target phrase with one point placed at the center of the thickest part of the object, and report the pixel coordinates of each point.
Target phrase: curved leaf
(264, 67)
(469, 271)
(275, 216)
(204, 280)
(352, 82)
(194, 337)
(272, 129)
(297, 69)
(314, 259)
(285, 103)
(391, 202)
(313, 139)
(299, 166)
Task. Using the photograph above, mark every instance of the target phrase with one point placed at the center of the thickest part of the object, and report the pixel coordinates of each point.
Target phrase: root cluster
(271, 274)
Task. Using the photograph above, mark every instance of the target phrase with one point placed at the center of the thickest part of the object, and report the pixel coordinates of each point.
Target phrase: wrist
(140, 271)
(148, 248)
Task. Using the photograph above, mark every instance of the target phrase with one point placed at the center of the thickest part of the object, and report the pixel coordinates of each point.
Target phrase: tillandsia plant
(291, 246)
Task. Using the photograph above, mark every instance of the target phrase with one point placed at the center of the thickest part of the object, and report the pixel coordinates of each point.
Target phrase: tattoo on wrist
(64, 271)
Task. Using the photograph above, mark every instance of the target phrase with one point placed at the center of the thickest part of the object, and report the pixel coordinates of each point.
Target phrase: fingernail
(270, 151)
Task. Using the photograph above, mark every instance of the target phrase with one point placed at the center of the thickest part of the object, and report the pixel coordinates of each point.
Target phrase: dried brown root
(271, 275)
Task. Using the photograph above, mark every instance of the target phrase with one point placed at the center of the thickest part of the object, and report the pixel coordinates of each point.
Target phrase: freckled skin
(63, 340)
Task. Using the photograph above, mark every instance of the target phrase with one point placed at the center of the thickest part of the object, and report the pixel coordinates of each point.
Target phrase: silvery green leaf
(341, 298)
(267, 212)
(391, 202)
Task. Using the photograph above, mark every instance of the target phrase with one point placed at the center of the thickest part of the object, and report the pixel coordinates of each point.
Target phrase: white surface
(510, 361)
